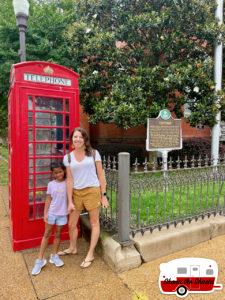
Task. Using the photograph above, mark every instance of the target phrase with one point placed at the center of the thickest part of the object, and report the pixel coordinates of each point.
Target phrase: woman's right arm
(69, 187)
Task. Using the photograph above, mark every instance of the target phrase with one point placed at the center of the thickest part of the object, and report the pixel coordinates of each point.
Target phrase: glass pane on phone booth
(48, 119)
(31, 166)
(30, 118)
(58, 119)
(49, 134)
(67, 134)
(67, 105)
(43, 165)
(42, 180)
(39, 204)
(31, 205)
(40, 196)
(31, 134)
(31, 181)
(67, 122)
(31, 149)
(30, 102)
(47, 103)
(42, 119)
(47, 149)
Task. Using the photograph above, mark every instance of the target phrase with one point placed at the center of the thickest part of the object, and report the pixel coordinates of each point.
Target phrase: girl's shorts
(88, 198)
(58, 220)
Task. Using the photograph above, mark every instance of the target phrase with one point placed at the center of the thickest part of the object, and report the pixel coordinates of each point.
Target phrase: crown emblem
(48, 70)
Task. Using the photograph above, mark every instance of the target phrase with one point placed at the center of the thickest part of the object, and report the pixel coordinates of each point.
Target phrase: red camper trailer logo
(189, 275)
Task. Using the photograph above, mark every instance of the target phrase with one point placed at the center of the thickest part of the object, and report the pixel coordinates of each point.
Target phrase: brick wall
(101, 133)
(84, 120)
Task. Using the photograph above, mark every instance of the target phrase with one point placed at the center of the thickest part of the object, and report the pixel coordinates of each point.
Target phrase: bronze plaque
(164, 134)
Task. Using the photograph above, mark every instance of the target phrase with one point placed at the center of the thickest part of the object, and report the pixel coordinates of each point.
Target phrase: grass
(177, 202)
(3, 165)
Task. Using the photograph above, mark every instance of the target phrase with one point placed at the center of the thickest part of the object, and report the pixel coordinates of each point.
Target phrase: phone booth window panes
(30, 149)
(67, 105)
(67, 120)
(47, 149)
(31, 137)
(43, 165)
(31, 205)
(46, 134)
(58, 120)
(30, 118)
(30, 102)
(47, 103)
(48, 119)
(67, 134)
(31, 197)
(42, 180)
(39, 210)
(31, 166)
(42, 118)
(31, 181)
(40, 203)
(40, 196)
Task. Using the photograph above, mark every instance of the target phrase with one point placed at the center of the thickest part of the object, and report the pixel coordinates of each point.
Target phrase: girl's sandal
(86, 263)
(66, 252)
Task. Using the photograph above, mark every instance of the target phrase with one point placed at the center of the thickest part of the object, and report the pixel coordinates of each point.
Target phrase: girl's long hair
(88, 148)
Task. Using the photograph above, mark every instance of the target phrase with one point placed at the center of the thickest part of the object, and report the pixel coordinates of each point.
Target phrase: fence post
(124, 199)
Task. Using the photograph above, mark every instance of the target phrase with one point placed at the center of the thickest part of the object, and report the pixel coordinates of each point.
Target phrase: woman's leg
(73, 232)
(95, 231)
(44, 242)
(56, 242)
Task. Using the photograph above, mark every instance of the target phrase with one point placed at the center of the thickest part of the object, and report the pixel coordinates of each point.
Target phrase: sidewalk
(98, 282)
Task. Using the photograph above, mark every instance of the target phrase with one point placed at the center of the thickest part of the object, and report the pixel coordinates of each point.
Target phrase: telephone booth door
(47, 141)
(41, 118)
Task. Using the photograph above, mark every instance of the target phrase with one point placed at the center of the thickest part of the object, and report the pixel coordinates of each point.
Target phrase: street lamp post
(218, 82)
(21, 9)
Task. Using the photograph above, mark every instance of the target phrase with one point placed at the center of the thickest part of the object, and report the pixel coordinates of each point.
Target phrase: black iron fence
(147, 196)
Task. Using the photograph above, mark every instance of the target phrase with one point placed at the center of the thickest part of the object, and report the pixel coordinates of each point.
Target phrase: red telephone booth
(43, 110)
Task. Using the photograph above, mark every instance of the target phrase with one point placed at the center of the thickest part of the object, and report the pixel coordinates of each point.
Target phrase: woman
(86, 188)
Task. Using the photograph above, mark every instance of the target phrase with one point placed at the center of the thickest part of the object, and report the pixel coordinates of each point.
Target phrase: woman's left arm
(102, 181)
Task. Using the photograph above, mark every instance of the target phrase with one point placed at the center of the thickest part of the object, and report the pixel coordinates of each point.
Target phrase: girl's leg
(56, 242)
(44, 242)
(95, 231)
(73, 232)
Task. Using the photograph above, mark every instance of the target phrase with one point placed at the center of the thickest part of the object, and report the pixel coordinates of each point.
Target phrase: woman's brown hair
(88, 148)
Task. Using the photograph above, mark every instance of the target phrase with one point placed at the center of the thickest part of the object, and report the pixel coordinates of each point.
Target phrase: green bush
(195, 147)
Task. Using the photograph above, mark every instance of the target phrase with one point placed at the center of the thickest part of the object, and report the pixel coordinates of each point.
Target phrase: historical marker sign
(164, 133)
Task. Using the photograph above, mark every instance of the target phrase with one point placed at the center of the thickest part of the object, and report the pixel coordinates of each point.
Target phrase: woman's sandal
(86, 263)
(66, 252)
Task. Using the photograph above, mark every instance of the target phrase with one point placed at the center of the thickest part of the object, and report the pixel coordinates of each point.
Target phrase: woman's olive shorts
(87, 198)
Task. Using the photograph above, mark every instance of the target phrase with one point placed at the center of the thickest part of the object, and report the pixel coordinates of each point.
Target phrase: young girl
(55, 213)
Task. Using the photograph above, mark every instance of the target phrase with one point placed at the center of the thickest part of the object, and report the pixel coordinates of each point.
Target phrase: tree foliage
(135, 57)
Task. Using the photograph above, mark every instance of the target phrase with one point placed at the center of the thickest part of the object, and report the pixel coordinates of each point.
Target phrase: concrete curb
(151, 246)
(157, 244)
(119, 258)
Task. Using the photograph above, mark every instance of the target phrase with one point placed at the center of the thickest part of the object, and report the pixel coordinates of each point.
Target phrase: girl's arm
(69, 188)
(47, 204)
(102, 182)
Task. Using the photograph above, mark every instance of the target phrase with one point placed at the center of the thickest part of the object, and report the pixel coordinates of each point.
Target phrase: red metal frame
(41, 117)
